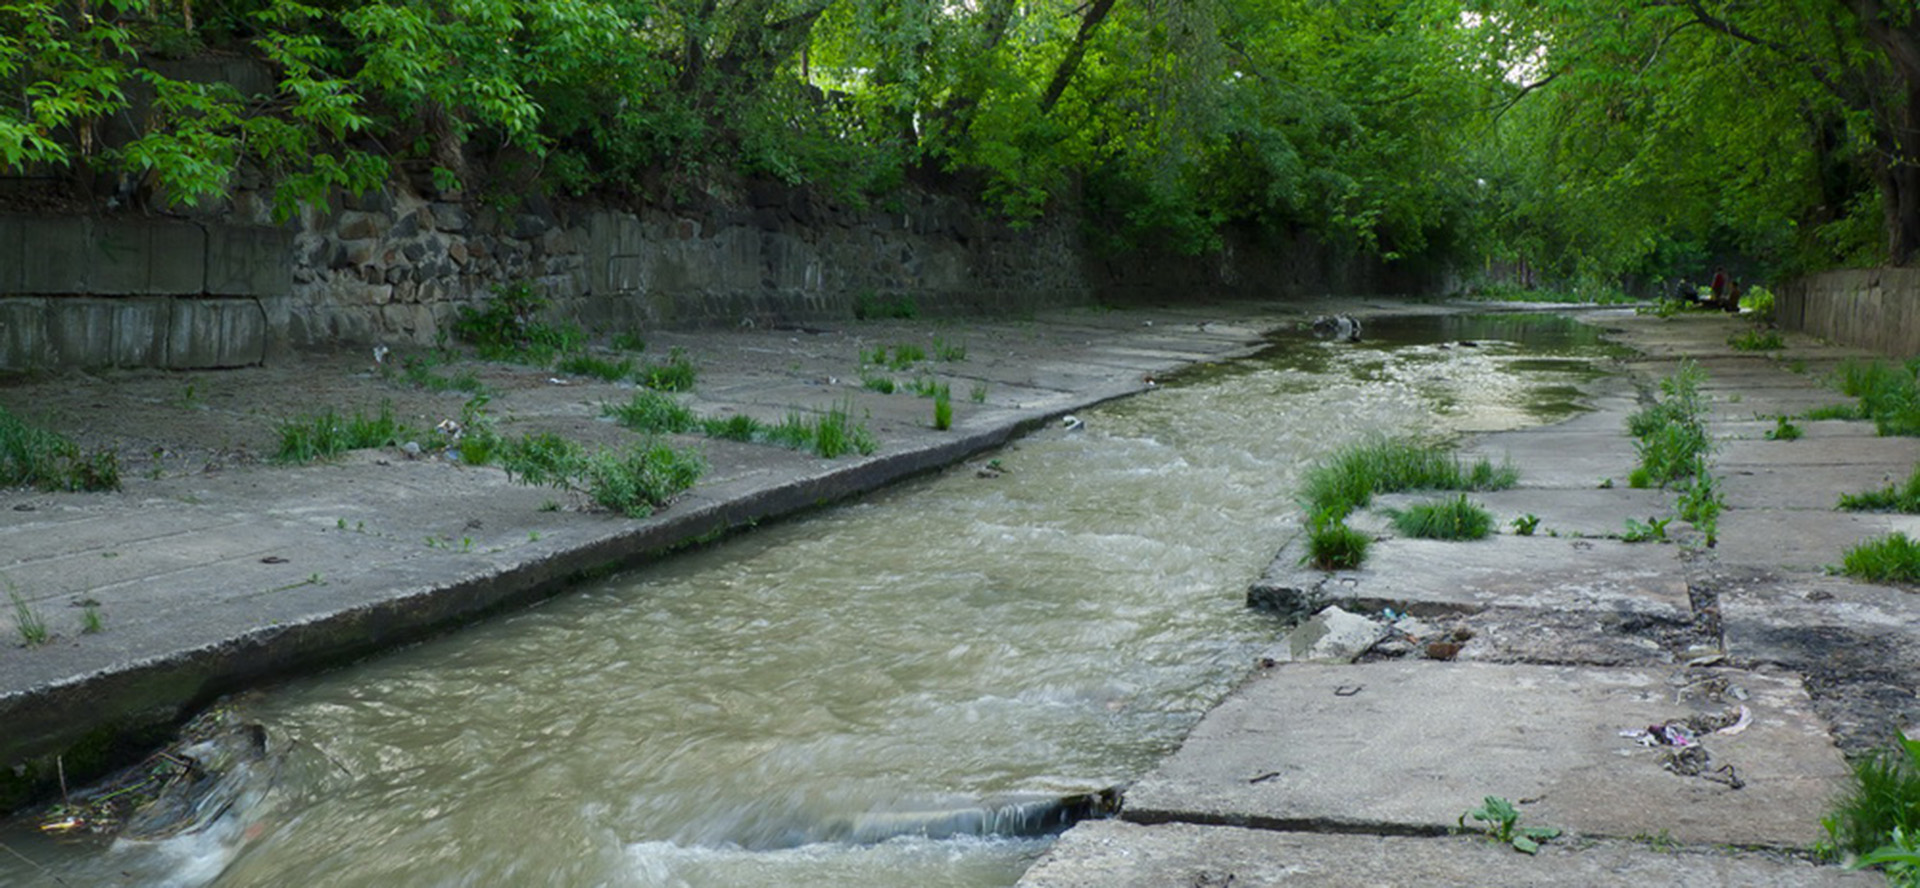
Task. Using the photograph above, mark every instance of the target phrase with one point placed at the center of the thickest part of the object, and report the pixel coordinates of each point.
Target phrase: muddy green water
(1056, 629)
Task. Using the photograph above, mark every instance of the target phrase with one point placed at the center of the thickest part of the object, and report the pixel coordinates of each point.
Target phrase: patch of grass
(1757, 340)
(1525, 524)
(37, 457)
(508, 327)
(327, 434)
(926, 386)
(1894, 558)
(597, 367)
(1457, 518)
(629, 341)
(739, 427)
(882, 384)
(1903, 497)
(949, 351)
(1332, 545)
(943, 409)
(1881, 809)
(978, 394)
(1349, 479)
(642, 480)
(653, 413)
(1784, 430)
(869, 306)
(91, 623)
(675, 374)
(1700, 503)
(1758, 301)
(1499, 819)
(830, 435)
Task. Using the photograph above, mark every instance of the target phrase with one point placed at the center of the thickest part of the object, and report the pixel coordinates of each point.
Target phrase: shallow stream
(718, 719)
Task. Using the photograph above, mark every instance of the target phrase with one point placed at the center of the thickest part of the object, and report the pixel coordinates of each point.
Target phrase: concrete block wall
(1873, 308)
(89, 291)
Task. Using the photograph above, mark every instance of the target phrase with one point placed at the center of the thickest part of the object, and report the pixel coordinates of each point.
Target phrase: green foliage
(949, 351)
(642, 480)
(1654, 530)
(1894, 558)
(1758, 302)
(628, 341)
(739, 427)
(882, 384)
(978, 394)
(326, 434)
(1904, 497)
(47, 460)
(1879, 815)
(420, 373)
(1700, 503)
(508, 327)
(1332, 545)
(1757, 340)
(1784, 429)
(830, 435)
(675, 374)
(1500, 820)
(1887, 395)
(1455, 518)
(91, 623)
(543, 459)
(1833, 411)
(1526, 524)
(1899, 858)
(653, 413)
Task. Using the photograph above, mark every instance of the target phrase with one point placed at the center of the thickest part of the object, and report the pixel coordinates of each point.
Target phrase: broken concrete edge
(69, 732)
(1292, 591)
(1321, 825)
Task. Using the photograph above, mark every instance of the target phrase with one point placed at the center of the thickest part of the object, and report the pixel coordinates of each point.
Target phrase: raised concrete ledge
(173, 333)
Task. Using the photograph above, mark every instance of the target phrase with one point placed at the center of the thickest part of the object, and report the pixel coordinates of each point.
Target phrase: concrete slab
(1802, 538)
(1405, 747)
(1117, 854)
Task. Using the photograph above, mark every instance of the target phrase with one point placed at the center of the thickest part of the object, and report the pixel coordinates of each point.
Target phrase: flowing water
(763, 711)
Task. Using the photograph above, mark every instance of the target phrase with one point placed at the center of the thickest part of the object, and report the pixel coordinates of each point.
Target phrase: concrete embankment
(1677, 710)
(216, 570)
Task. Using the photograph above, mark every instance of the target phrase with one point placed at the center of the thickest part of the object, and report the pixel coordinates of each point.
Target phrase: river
(720, 717)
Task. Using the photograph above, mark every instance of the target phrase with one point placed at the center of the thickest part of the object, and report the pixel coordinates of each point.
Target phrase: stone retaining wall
(1875, 308)
(395, 267)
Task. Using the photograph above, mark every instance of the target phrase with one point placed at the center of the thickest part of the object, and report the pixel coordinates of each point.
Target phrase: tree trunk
(1070, 63)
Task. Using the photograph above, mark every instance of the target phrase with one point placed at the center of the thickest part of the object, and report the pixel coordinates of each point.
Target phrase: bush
(1672, 434)
(1445, 519)
(642, 480)
(508, 328)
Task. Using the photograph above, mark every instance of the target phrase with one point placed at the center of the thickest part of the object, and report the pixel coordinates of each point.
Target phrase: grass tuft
(596, 367)
(327, 434)
(1757, 340)
(1903, 497)
(943, 409)
(676, 374)
(1882, 807)
(644, 479)
(1894, 558)
(1350, 478)
(508, 327)
(1332, 545)
(33, 629)
(1671, 432)
(1457, 518)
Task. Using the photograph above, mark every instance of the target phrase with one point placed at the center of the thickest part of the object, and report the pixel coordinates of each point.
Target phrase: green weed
(906, 355)
(543, 459)
(870, 306)
(32, 629)
(1894, 558)
(421, 373)
(943, 409)
(1499, 819)
(1881, 809)
(91, 623)
(1653, 531)
(653, 413)
(739, 427)
(1332, 545)
(1904, 497)
(1700, 503)
(596, 367)
(882, 384)
(1887, 393)
(926, 386)
(1457, 518)
(676, 374)
(47, 460)
(1784, 430)
(1525, 524)
(1757, 340)
(1833, 411)
(978, 394)
(1671, 432)
(949, 351)
(508, 327)
(327, 434)
(628, 341)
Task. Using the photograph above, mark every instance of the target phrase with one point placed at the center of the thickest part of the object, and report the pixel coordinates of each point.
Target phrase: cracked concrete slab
(1406, 747)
